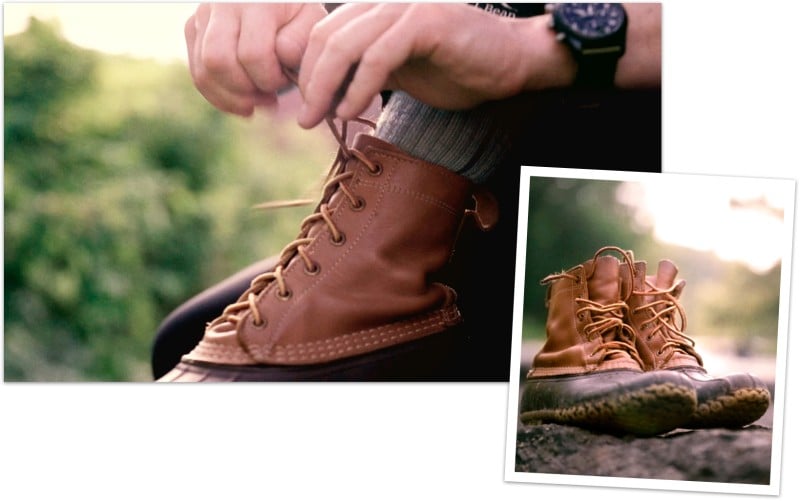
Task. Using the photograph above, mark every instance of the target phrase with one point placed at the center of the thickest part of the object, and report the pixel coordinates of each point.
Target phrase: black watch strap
(597, 71)
(595, 34)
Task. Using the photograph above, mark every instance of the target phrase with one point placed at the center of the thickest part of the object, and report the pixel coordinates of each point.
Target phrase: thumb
(292, 39)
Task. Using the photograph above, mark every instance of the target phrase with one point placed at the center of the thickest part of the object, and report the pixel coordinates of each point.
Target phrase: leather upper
(368, 290)
(584, 323)
(657, 318)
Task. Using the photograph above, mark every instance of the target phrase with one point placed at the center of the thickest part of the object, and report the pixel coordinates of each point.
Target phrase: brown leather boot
(588, 372)
(659, 322)
(354, 289)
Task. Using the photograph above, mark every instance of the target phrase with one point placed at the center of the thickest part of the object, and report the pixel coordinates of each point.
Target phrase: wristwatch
(595, 34)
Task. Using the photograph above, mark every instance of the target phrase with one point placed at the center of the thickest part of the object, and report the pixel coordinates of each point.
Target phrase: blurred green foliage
(125, 194)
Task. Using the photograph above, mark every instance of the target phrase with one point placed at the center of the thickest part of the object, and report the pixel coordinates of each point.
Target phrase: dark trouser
(614, 131)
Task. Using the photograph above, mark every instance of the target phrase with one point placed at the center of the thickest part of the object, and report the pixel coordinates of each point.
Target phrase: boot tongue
(640, 272)
(603, 285)
(663, 279)
(665, 276)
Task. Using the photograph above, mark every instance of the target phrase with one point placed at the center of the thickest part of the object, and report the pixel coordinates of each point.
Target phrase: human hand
(237, 52)
(450, 56)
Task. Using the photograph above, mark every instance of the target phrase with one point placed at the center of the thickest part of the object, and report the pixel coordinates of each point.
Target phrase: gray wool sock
(471, 143)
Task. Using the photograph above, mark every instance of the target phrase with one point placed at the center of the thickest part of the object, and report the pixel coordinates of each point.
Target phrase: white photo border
(527, 173)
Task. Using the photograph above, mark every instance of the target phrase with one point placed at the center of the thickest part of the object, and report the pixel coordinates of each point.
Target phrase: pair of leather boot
(616, 358)
(353, 296)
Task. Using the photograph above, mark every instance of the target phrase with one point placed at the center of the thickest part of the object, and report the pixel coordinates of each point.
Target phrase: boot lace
(608, 318)
(667, 313)
(334, 182)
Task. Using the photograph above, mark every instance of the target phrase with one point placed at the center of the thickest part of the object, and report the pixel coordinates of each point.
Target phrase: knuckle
(424, 12)
(317, 36)
(216, 61)
(372, 61)
(235, 105)
(249, 54)
(200, 79)
(338, 44)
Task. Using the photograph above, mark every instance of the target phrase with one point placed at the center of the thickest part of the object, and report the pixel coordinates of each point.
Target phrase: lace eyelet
(313, 270)
(338, 242)
(283, 296)
(259, 325)
(359, 205)
(378, 170)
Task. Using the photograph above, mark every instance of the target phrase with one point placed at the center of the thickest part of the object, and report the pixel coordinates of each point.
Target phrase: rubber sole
(432, 358)
(735, 410)
(652, 410)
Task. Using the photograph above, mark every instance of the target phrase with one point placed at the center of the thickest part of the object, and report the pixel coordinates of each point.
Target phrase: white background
(730, 107)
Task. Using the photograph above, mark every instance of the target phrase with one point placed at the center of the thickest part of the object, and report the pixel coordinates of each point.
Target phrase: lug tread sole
(735, 410)
(653, 410)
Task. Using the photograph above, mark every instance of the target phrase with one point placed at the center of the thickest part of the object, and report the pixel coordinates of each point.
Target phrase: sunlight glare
(739, 219)
(146, 30)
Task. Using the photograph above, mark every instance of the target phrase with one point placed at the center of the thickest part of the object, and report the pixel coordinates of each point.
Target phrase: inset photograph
(650, 330)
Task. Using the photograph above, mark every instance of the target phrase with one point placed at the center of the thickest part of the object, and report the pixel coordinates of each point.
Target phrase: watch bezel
(583, 41)
(596, 57)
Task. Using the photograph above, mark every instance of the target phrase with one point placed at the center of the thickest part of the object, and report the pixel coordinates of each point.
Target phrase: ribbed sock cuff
(471, 143)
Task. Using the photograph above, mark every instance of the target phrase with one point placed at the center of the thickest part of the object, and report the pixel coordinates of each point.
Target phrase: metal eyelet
(313, 271)
(359, 205)
(283, 296)
(378, 170)
(259, 325)
(338, 242)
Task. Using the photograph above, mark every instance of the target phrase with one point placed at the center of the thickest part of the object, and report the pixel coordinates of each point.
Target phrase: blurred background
(726, 236)
(125, 192)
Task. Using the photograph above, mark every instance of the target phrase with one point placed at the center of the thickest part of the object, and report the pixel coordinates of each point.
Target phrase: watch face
(591, 20)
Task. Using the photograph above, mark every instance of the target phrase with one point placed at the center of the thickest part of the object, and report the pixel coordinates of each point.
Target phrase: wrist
(546, 62)
(640, 67)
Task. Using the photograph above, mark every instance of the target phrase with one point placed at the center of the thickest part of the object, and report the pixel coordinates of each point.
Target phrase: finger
(389, 52)
(194, 32)
(266, 100)
(194, 29)
(322, 30)
(256, 49)
(328, 75)
(220, 93)
(292, 39)
(218, 56)
(190, 34)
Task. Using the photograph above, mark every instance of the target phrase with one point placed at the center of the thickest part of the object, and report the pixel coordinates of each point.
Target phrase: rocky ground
(717, 455)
